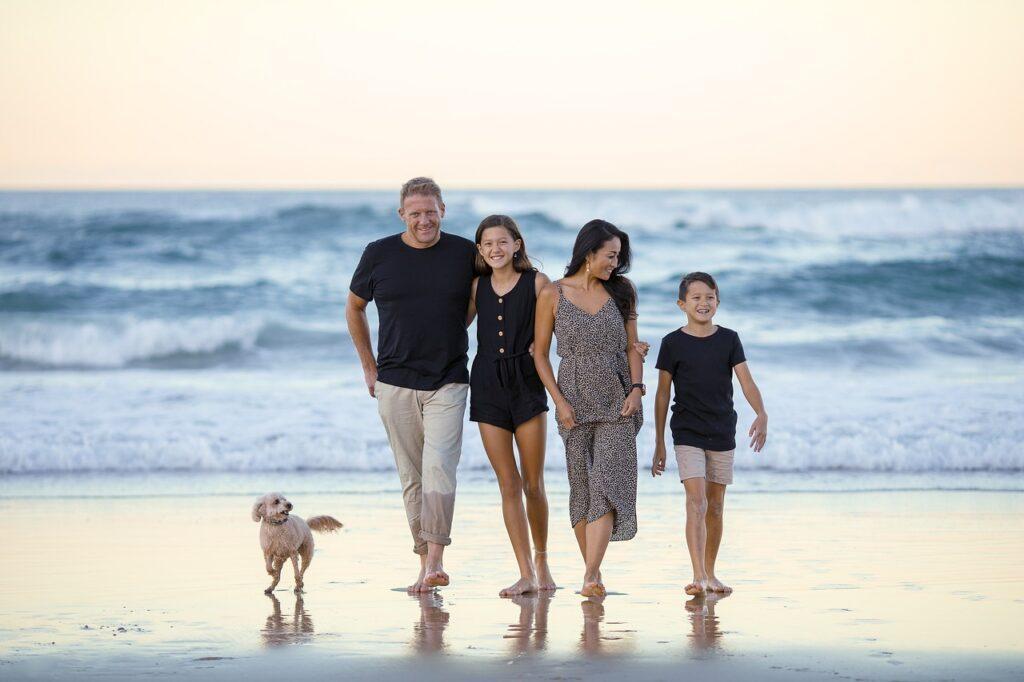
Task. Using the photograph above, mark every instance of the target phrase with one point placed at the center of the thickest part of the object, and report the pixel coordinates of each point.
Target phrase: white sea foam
(290, 421)
(117, 342)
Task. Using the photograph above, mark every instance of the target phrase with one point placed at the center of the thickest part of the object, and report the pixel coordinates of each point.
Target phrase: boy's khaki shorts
(707, 464)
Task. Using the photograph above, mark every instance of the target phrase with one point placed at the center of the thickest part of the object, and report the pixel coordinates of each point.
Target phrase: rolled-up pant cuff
(434, 537)
(419, 548)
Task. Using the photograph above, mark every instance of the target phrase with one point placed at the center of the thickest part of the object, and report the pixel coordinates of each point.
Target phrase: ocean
(166, 331)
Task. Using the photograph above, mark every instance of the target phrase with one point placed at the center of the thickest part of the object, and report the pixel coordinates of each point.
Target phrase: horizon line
(511, 188)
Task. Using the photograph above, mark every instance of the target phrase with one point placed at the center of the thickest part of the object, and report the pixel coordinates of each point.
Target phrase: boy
(699, 360)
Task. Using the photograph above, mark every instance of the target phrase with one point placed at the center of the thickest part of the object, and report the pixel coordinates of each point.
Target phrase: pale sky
(305, 93)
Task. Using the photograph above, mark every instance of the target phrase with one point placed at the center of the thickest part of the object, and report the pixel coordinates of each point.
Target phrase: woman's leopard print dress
(600, 452)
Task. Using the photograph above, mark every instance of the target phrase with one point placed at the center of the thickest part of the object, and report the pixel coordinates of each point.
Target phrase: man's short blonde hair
(424, 186)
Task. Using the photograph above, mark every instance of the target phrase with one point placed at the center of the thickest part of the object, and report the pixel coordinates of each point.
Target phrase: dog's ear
(257, 510)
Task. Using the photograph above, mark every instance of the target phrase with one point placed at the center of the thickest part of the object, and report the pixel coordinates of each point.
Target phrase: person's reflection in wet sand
(428, 633)
(706, 626)
(530, 633)
(280, 631)
(593, 615)
(602, 636)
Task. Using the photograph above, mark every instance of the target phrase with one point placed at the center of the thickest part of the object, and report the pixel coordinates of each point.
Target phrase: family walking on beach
(428, 287)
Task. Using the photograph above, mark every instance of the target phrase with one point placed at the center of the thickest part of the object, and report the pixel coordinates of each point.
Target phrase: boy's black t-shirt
(422, 296)
(701, 369)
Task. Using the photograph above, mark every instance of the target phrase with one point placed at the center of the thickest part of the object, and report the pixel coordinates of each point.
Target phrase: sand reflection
(530, 632)
(706, 628)
(280, 631)
(603, 636)
(428, 633)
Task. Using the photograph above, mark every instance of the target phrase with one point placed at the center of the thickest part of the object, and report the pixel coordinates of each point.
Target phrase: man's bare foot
(419, 587)
(545, 582)
(695, 588)
(521, 586)
(716, 585)
(436, 577)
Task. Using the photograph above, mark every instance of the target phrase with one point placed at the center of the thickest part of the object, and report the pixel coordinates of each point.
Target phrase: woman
(506, 397)
(592, 312)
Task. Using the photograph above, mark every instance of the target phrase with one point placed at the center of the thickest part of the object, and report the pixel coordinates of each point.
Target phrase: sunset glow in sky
(307, 93)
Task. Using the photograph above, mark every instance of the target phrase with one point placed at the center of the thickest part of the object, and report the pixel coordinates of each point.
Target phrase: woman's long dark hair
(591, 238)
(520, 262)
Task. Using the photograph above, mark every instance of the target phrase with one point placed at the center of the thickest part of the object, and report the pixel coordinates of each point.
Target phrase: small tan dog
(283, 536)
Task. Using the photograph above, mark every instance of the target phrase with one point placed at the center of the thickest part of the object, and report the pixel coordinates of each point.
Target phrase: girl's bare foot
(545, 582)
(436, 577)
(695, 588)
(521, 586)
(716, 585)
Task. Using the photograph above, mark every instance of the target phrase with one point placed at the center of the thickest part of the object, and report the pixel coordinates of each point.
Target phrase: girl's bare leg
(498, 444)
(696, 533)
(531, 438)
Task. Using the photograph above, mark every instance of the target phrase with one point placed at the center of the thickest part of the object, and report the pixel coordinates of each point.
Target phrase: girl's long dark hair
(591, 238)
(520, 262)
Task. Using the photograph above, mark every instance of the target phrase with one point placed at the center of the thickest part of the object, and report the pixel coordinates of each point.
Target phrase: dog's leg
(276, 573)
(306, 552)
(297, 572)
(270, 564)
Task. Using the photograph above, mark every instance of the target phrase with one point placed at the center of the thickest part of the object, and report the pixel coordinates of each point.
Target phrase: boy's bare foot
(716, 585)
(694, 588)
(545, 582)
(521, 586)
(435, 577)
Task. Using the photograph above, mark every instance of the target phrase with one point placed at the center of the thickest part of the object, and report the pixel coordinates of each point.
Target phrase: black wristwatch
(642, 387)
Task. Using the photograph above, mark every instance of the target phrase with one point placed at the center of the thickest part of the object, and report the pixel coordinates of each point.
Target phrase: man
(420, 280)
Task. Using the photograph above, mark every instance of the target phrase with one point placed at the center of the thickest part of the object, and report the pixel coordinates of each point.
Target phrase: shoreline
(84, 484)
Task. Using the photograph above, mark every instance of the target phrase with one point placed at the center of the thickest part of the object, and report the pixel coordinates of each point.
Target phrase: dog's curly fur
(283, 536)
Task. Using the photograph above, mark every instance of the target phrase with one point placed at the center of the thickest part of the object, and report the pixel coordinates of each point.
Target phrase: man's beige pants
(425, 432)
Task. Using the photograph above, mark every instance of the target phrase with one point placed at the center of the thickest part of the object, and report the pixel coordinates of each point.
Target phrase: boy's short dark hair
(697, 277)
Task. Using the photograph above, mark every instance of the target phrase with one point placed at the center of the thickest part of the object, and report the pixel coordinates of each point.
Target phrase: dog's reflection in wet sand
(281, 631)
(706, 626)
(530, 632)
(428, 633)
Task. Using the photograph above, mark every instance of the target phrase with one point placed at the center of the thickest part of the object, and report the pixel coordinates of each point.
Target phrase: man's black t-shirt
(422, 296)
(701, 369)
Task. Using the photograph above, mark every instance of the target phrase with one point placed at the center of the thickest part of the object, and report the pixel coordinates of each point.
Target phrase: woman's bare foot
(593, 588)
(545, 583)
(521, 586)
(695, 588)
(436, 577)
(716, 585)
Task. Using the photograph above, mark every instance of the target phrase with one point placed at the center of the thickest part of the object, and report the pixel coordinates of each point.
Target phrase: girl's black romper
(505, 390)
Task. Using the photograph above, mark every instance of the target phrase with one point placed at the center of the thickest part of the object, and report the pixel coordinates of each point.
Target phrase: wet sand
(119, 578)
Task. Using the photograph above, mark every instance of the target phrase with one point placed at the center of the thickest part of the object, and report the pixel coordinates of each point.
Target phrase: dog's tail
(323, 524)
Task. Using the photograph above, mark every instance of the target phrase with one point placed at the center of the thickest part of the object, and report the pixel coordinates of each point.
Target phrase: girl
(506, 397)
(592, 313)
